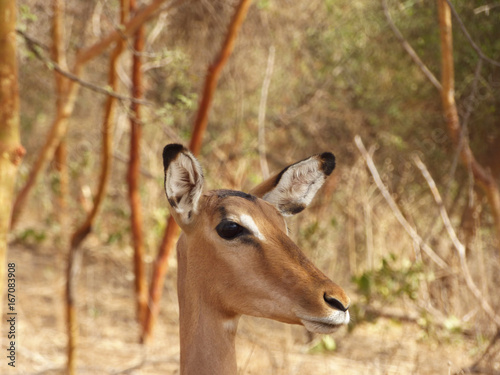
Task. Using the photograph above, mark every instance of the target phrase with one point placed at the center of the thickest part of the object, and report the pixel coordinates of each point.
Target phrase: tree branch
(399, 216)
(409, 49)
(34, 47)
(214, 71)
(128, 29)
(469, 38)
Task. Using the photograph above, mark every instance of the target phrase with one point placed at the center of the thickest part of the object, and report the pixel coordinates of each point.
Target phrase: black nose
(335, 303)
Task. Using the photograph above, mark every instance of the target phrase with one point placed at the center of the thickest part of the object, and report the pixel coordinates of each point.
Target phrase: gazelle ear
(291, 190)
(183, 182)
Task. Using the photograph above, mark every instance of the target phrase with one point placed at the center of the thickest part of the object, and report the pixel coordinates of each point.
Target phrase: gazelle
(235, 257)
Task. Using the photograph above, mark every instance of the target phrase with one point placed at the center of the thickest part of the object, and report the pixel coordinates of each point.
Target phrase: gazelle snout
(332, 311)
(337, 315)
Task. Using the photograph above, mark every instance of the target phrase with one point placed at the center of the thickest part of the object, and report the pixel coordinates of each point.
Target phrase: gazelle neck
(207, 336)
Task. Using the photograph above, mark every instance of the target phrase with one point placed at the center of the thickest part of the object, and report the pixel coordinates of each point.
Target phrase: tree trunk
(11, 151)
(133, 176)
(58, 55)
(75, 256)
(482, 176)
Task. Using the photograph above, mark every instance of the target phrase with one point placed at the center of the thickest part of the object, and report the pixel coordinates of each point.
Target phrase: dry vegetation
(338, 72)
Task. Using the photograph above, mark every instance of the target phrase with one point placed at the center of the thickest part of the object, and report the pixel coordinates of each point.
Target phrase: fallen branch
(459, 247)
(390, 201)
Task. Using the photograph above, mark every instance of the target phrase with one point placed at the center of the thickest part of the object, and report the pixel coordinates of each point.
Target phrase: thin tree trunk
(58, 55)
(200, 125)
(56, 133)
(74, 261)
(11, 151)
(213, 74)
(133, 175)
(158, 279)
(262, 114)
(483, 177)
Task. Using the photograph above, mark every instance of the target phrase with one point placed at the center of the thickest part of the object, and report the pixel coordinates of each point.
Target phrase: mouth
(326, 325)
(319, 327)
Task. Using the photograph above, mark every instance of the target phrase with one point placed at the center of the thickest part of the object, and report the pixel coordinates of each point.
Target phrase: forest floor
(109, 334)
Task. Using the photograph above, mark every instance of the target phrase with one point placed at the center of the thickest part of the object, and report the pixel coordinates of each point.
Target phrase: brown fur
(219, 280)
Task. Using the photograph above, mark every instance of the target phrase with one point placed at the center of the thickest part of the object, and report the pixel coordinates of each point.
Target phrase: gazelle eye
(229, 230)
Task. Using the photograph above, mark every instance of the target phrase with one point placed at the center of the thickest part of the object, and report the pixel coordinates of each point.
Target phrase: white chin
(326, 325)
(318, 327)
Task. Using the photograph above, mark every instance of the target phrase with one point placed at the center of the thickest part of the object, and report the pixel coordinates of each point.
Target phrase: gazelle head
(235, 255)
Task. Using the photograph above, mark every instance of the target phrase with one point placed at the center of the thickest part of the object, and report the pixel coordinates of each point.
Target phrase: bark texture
(11, 151)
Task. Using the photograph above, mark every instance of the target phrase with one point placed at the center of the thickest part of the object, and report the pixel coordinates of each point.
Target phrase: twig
(262, 113)
(486, 8)
(126, 160)
(469, 38)
(409, 49)
(407, 227)
(459, 247)
(34, 45)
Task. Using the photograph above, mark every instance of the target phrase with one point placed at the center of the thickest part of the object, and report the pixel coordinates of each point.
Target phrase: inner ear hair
(183, 180)
(327, 163)
(293, 189)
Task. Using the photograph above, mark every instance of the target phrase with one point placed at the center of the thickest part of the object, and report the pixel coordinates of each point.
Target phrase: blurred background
(328, 71)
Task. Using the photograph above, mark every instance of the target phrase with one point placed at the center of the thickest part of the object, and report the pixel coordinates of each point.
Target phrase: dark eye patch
(229, 230)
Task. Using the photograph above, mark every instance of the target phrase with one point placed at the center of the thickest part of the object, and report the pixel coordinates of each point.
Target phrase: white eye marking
(248, 222)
